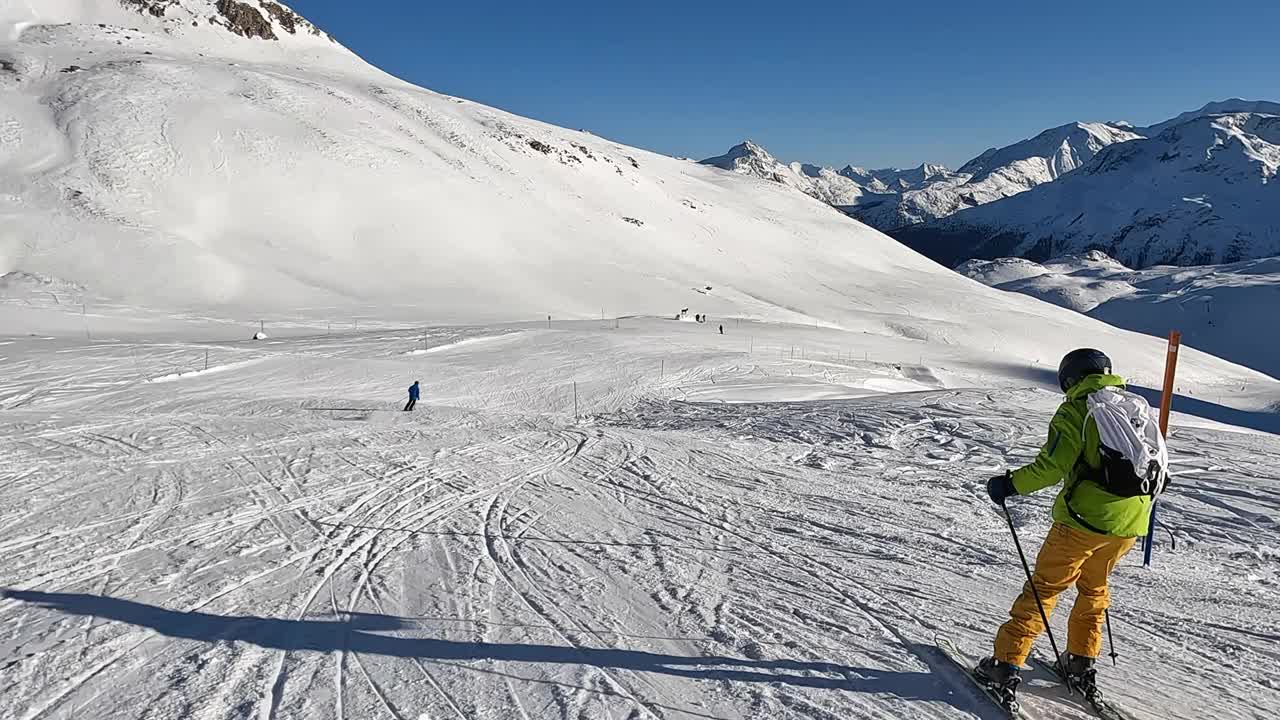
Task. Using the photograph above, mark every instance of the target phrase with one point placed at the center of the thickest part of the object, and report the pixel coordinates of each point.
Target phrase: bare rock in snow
(244, 19)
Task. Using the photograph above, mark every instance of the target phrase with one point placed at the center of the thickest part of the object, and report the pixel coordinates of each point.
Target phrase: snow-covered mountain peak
(933, 191)
(748, 158)
(1054, 152)
(932, 171)
(744, 157)
(1201, 191)
(1242, 146)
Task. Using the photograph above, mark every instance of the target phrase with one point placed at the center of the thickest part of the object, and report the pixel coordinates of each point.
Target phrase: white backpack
(1135, 460)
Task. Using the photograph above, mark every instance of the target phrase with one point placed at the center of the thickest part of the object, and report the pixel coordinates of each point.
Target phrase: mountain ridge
(1200, 192)
(952, 216)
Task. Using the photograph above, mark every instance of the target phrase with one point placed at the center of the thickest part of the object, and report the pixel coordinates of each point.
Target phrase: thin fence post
(575, 400)
(206, 359)
(662, 368)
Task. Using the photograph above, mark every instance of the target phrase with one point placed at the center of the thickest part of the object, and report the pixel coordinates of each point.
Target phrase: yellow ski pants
(1068, 557)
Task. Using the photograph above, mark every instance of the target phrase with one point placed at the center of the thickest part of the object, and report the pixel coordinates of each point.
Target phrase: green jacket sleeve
(1057, 457)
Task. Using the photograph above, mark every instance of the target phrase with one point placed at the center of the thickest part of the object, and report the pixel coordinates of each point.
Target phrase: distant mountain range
(1196, 189)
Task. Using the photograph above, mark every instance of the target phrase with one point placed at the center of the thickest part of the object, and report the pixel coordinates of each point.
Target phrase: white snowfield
(630, 517)
(1227, 309)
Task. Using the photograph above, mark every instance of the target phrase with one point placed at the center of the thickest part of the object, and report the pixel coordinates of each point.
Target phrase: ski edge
(1106, 709)
(966, 664)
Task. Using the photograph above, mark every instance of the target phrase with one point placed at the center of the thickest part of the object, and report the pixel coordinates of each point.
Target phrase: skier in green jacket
(1092, 530)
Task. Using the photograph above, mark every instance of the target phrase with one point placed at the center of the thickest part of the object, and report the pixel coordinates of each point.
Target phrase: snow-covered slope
(178, 166)
(196, 26)
(1203, 191)
(1227, 310)
(288, 178)
(640, 518)
(1078, 282)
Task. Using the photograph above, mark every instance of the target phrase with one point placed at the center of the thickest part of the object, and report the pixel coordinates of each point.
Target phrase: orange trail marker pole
(1166, 405)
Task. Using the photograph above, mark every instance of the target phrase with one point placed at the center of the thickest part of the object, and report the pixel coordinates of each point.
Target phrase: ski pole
(1111, 639)
(1031, 583)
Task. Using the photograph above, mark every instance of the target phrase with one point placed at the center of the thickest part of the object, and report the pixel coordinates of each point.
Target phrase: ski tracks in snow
(669, 560)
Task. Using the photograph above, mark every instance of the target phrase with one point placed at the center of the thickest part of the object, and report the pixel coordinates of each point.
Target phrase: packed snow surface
(770, 523)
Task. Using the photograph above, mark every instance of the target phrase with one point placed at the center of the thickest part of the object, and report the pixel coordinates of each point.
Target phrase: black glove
(1001, 487)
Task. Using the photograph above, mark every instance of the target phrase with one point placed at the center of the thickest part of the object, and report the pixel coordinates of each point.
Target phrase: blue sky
(874, 84)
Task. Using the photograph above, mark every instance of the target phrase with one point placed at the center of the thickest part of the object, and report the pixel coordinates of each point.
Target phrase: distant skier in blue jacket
(414, 392)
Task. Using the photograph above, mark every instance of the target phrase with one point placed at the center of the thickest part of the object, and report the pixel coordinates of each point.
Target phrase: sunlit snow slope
(196, 158)
(174, 165)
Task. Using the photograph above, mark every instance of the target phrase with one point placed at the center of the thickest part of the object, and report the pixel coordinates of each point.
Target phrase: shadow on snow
(1261, 420)
(355, 632)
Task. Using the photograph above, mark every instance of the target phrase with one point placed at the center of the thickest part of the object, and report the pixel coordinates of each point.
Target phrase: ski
(966, 665)
(1104, 709)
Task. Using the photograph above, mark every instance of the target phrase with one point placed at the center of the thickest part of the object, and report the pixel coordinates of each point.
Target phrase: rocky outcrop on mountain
(244, 19)
(825, 184)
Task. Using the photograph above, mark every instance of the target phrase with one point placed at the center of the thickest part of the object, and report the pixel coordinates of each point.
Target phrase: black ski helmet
(1080, 364)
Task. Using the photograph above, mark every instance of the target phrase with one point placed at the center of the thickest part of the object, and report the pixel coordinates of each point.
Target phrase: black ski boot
(1002, 679)
(1081, 675)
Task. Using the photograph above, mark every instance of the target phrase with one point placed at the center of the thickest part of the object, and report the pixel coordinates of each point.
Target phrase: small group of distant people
(696, 318)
